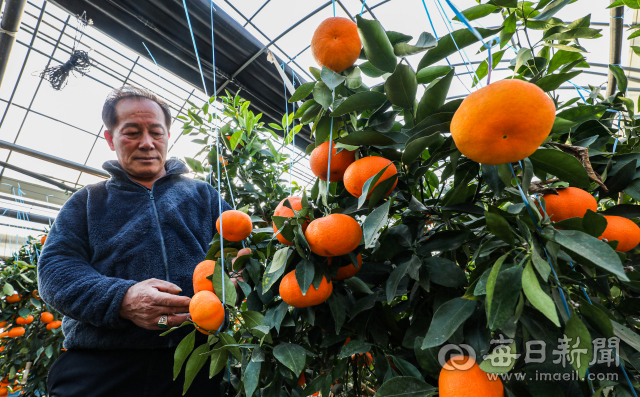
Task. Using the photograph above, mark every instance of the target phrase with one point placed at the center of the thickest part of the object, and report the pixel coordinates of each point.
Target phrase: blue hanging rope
(362, 10)
(286, 109)
(195, 47)
(293, 133)
(333, 98)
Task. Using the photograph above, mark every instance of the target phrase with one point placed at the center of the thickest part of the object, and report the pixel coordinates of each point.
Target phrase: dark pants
(124, 373)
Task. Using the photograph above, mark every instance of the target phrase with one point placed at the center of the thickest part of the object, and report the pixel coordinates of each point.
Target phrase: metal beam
(10, 24)
(38, 177)
(53, 159)
(615, 44)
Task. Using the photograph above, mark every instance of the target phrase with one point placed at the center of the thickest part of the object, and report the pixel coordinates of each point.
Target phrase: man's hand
(146, 301)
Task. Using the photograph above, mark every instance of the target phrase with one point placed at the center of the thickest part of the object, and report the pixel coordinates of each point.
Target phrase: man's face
(140, 138)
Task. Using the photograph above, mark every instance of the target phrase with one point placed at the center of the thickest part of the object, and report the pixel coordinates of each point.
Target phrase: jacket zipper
(164, 252)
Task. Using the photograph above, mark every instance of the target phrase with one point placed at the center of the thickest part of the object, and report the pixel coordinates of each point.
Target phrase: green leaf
(427, 75)
(405, 386)
(291, 356)
(572, 34)
(367, 137)
(483, 69)
(302, 92)
(562, 165)
(629, 337)
(524, 55)
(479, 11)
(194, 364)
(8, 289)
(597, 318)
(500, 227)
(182, 352)
(580, 344)
(504, 356)
(406, 368)
(369, 70)
(636, 49)
(218, 361)
(251, 377)
(553, 81)
(394, 279)
(562, 58)
(377, 46)
(279, 259)
(538, 298)
(444, 272)
(331, 78)
(323, 95)
(416, 147)
(305, 271)
(401, 87)
(307, 105)
(551, 9)
(591, 251)
(594, 223)
(370, 185)
(354, 79)
(229, 289)
(621, 78)
(365, 100)
(447, 319)
(354, 347)
(434, 97)
(425, 42)
(564, 47)
(629, 211)
(446, 46)
(509, 28)
(507, 289)
(375, 221)
(396, 37)
(541, 265)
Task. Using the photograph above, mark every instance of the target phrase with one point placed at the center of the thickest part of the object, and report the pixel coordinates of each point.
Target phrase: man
(119, 259)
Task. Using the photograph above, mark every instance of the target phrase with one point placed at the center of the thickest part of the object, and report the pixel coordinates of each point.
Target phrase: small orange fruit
(623, 230)
(15, 298)
(206, 311)
(570, 202)
(291, 293)
(521, 117)
(54, 325)
(4, 391)
(46, 317)
(333, 235)
(24, 321)
(362, 170)
(4, 334)
(236, 225)
(336, 44)
(363, 360)
(2, 349)
(43, 239)
(35, 294)
(462, 376)
(200, 274)
(347, 271)
(16, 332)
(2, 324)
(284, 211)
(302, 380)
(319, 162)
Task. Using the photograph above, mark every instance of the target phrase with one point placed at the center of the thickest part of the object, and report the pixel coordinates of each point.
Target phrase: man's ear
(109, 137)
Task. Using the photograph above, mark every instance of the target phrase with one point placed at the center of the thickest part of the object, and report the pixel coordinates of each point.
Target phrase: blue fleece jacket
(110, 235)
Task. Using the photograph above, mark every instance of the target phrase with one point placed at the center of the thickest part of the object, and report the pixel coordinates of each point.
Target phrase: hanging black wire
(79, 62)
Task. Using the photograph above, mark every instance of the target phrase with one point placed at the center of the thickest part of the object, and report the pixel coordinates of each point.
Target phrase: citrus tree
(31, 337)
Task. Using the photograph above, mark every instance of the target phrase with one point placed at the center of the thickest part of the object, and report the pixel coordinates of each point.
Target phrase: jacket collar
(119, 175)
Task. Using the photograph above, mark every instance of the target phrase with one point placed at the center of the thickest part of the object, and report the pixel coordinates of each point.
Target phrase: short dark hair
(109, 115)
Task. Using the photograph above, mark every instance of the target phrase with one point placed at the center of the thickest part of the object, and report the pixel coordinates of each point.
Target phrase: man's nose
(146, 141)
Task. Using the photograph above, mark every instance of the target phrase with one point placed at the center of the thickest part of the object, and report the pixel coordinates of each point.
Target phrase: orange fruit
(302, 380)
(2, 324)
(283, 210)
(363, 360)
(4, 391)
(333, 235)
(46, 317)
(503, 122)
(15, 332)
(236, 225)
(200, 274)
(4, 334)
(569, 203)
(336, 44)
(206, 311)
(462, 376)
(362, 170)
(35, 294)
(291, 293)
(15, 298)
(43, 239)
(222, 160)
(347, 271)
(54, 325)
(2, 349)
(24, 321)
(319, 162)
(623, 230)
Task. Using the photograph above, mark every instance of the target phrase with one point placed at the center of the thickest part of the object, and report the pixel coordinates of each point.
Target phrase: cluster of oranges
(4, 387)
(14, 332)
(572, 202)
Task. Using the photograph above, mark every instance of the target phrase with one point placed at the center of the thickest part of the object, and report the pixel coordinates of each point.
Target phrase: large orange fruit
(207, 311)
(347, 271)
(283, 210)
(362, 170)
(623, 230)
(4, 391)
(291, 293)
(336, 44)
(236, 225)
(319, 162)
(24, 321)
(503, 122)
(461, 376)
(200, 274)
(569, 203)
(16, 332)
(46, 317)
(54, 325)
(333, 235)
(15, 298)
